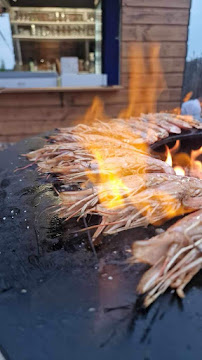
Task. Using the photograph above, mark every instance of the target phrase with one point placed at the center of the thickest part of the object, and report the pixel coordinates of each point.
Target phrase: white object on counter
(26, 79)
(76, 80)
(69, 65)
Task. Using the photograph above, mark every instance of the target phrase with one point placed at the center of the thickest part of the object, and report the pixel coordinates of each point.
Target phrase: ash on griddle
(66, 235)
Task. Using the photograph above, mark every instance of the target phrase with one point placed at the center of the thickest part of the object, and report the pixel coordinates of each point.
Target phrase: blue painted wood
(111, 41)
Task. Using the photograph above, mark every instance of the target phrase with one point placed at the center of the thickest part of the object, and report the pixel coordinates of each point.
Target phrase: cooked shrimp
(175, 256)
(139, 206)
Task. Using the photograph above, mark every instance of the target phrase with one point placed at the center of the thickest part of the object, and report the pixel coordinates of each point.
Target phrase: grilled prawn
(175, 256)
(142, 202)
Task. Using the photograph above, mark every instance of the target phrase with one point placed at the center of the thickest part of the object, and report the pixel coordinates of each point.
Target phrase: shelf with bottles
(52, 23)
(71, 37)
(54, 32)
(29, 15)
(81, 65)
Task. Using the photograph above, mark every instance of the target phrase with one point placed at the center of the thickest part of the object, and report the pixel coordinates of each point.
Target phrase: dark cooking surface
(55, 305)
(188, 137)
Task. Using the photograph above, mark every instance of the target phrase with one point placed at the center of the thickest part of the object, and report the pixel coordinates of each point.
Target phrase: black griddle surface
(56, 305)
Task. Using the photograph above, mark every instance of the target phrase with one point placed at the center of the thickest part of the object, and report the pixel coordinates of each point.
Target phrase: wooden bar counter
(26, 112)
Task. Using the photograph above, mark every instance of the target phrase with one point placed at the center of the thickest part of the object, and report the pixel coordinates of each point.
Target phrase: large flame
(169, 159)
(196, 165)
(182, 163)
(111, 188)
(143, 72)
(109, 183)
(95, 112)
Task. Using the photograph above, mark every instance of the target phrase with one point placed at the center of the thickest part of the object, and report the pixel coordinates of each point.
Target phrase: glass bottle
(92, 63)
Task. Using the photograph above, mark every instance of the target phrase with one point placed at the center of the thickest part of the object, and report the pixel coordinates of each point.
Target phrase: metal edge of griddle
(194, 133)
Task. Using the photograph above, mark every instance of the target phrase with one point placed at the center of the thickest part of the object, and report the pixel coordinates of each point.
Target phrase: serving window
(63, 45)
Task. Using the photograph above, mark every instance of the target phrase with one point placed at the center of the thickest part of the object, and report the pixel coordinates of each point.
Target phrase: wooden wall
(147, 21)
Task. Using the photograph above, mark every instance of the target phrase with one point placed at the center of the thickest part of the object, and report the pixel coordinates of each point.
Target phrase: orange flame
(196, 165)
(169, 159)
(112, 191)
(176, 147)
(188, 96)
(183, 163)
(142, 73)
(146, 81)
(110, 186)
(177, 110)
(179, 170)
(94, 112)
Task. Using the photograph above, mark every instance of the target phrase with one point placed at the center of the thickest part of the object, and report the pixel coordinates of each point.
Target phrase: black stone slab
(190, 139)
(58, 302)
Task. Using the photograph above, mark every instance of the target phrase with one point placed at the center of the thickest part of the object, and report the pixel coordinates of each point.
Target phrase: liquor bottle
(92, 62)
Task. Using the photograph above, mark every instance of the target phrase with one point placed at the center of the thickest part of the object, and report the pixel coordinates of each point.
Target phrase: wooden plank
(86, 99)
(32, 114)
(156, 16)
(170, 95)
(122, 97)
(168, 49)
(14, 131)
(154, 33)
(168, 65)
(115, 110)
(184, 4)
(59, 89)
(172, 80)
(39, 114)
(27, 99)
(31, 127)
(168, 106)
(11, 139)
(10, 134)
(17, 137)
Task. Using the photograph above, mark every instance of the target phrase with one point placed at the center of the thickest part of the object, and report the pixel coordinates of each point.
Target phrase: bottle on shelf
(92, 62)
(81, 65)
(32, 66)
(33, 30)
(86, 65)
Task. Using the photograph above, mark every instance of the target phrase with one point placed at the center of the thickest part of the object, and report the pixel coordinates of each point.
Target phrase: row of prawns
(94, 157)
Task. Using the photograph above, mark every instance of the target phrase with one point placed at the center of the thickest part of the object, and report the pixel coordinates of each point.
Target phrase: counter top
(59, 89)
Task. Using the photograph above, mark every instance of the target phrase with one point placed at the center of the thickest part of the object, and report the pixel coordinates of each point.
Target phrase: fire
(177, 110)
(111, 188)
(188, 96)
(143, 71)
(179, 170)
(169, 159)
(112, 191)
(196, 165)
(96, 111)
(176, 147)
(184, 164)
(146, 81)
